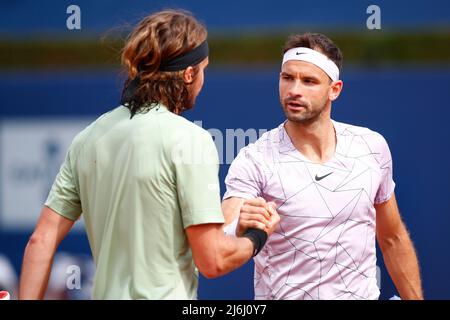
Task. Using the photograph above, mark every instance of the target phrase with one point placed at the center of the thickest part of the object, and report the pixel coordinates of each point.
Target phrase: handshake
(257, 214)
(257, 219)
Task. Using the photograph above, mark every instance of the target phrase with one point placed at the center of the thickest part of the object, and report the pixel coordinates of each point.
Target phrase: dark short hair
(318, 42)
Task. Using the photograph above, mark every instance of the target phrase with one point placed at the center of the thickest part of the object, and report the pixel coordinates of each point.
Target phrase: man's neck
(315, 140)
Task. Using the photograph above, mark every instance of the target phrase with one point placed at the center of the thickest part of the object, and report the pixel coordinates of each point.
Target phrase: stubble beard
(308, 115)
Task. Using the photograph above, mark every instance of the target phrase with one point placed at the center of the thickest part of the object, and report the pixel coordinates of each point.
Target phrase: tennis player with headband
(151, 206)
(333, 189)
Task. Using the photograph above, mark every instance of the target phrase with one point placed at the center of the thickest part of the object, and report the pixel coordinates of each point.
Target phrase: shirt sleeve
(387, 184)
(197, 179)
(245, 178)
(64, 198)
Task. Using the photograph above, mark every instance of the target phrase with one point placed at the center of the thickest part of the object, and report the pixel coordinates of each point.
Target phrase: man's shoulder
(350, 132)
(174, 122)
(267, 141)
(100, 124)
(183, 131)
(181, 135)
(354, 130)
(262, 150)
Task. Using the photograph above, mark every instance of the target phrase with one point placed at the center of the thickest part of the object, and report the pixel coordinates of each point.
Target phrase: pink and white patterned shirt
(324, 246)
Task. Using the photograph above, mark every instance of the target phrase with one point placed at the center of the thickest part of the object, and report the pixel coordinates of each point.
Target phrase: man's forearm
(234, 253)
(403, 267)
(35, 272)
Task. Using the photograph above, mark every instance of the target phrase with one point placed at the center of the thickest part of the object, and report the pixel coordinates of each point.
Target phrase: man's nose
(296, 89)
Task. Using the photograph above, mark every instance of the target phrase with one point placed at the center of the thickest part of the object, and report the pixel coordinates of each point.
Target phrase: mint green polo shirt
(139, 183)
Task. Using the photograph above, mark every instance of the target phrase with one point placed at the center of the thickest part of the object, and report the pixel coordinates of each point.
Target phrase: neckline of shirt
(288, 147)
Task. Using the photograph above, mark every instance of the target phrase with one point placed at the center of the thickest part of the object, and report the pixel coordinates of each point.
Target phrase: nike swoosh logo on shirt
(320, 178)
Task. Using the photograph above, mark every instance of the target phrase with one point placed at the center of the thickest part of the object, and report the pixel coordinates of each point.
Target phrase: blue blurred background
(43, 104)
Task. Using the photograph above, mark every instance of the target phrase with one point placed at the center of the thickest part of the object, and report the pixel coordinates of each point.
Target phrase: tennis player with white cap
(333, 189)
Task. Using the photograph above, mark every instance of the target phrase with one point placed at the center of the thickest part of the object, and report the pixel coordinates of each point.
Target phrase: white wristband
(230, 229)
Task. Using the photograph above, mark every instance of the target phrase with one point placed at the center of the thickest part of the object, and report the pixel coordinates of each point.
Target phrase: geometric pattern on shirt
(310, 247)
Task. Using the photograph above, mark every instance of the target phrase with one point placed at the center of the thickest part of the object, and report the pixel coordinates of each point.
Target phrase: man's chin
(303, 119)
(296, 117)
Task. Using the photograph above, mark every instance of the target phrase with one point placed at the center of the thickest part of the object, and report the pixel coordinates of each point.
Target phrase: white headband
(314, 57)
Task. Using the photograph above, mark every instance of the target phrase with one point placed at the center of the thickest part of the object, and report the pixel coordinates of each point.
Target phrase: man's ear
(336, 89)
(188, 75)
